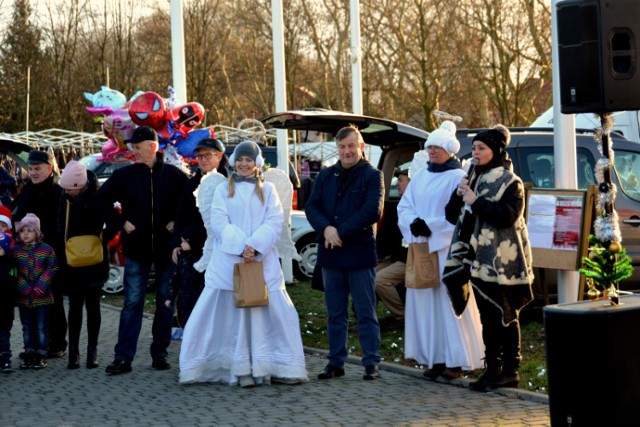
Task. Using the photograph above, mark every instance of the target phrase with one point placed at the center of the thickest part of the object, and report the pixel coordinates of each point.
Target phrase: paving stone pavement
(56, 396)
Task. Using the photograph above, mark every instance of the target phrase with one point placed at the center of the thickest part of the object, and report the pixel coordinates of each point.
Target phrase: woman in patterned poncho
(490, 247)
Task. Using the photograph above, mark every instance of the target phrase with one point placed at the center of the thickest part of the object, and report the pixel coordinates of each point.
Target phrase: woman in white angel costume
(245, 346)
(434, 336)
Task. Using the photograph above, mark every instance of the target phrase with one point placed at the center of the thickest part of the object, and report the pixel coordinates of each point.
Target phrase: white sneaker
(246, 381)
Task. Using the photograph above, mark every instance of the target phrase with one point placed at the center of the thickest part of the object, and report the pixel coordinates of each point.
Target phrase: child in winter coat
(7, 294)
(187, 283)
(37, 265)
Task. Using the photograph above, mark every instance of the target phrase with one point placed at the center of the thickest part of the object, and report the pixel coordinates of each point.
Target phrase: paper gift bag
(422, 267)
(249, 286)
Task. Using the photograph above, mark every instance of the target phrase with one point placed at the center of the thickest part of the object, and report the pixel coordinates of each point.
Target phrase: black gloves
(420, 228)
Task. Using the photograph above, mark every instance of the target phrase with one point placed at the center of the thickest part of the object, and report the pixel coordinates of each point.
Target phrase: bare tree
(505, 46)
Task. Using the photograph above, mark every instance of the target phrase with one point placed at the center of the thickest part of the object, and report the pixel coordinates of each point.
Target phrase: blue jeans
(136, 276)
(35, 329)
(338, 283)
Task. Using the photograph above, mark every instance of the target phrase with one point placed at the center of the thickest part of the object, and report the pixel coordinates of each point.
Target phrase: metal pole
(107, 66)
(28, 100)
(356, 57)
(564, 143)
(177, 52)
(280, 83)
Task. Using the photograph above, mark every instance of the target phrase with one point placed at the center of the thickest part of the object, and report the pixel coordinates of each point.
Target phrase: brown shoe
(452, 373)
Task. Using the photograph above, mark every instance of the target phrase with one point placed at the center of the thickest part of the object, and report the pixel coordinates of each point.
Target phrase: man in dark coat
(343, 209)
(209, 153)
(189, 283)
(41, 196)
(147, 192)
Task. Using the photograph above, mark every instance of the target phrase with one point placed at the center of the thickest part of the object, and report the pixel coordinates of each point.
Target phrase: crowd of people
(472, 221)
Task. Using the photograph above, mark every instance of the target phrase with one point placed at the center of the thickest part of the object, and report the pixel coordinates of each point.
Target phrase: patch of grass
(313, 327)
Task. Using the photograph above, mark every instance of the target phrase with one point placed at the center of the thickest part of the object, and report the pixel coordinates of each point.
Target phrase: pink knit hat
(74, 176)
(30, 220)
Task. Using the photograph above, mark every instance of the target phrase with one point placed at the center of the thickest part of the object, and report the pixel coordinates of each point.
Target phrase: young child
(187, 283)
(36, 267)
(7, 293)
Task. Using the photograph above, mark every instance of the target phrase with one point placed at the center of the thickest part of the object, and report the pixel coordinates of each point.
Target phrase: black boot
(509, 377)
(74, 357)
(92, 357)
(28, 360)
(493, 366)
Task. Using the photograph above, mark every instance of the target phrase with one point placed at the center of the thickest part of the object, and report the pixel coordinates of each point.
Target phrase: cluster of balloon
(175, 124)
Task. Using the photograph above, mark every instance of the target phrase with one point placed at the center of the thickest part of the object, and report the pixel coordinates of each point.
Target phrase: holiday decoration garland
(607, 263)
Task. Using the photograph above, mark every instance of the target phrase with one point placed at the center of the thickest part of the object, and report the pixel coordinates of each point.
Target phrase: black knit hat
(497, 138)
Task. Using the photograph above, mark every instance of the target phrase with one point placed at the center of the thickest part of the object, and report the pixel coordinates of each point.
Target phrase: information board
(559, 223)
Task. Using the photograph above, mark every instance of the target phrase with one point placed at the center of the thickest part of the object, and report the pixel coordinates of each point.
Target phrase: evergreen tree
(20, 48)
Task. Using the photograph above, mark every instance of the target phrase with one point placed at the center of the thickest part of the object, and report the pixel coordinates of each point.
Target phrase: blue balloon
(187, 146)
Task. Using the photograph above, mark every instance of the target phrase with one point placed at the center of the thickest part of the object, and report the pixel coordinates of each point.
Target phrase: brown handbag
(422, 267)
(249, 286)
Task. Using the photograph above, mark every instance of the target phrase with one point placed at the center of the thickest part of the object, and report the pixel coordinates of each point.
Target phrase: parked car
(531, 150)
(397, 141)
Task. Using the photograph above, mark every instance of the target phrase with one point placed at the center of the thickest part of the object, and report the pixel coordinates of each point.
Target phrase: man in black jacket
(189, 283)
(147, 192)
(345, 204)
(209, 153)
(42, 196)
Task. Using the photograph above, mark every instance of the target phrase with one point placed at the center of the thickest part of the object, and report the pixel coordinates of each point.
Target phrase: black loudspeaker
(598, 55)
(593, 363)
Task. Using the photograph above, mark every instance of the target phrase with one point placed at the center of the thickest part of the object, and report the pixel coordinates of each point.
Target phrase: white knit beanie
(444, 137)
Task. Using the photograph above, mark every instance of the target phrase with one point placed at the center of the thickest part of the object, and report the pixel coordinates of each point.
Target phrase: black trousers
(7, 313)
(502, 343)
(57, 320)
(89, 297)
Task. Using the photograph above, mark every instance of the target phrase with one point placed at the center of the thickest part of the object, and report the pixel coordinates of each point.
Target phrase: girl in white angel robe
(257, 345)
(433, 334)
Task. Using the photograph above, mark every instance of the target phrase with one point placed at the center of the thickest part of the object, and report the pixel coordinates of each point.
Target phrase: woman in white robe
(249, 346)
(434, 336)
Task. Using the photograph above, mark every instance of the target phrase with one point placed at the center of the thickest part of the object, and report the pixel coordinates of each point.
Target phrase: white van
(625, 122)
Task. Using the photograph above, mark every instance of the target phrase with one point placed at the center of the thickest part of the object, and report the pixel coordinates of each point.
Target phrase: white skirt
(433, 334)
(222, 342)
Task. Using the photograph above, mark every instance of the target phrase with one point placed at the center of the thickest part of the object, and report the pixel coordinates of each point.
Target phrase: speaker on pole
(598, 55)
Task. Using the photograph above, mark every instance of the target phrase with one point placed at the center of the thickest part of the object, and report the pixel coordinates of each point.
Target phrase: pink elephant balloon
(112, 153)
(119, 126)
(116, 124)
